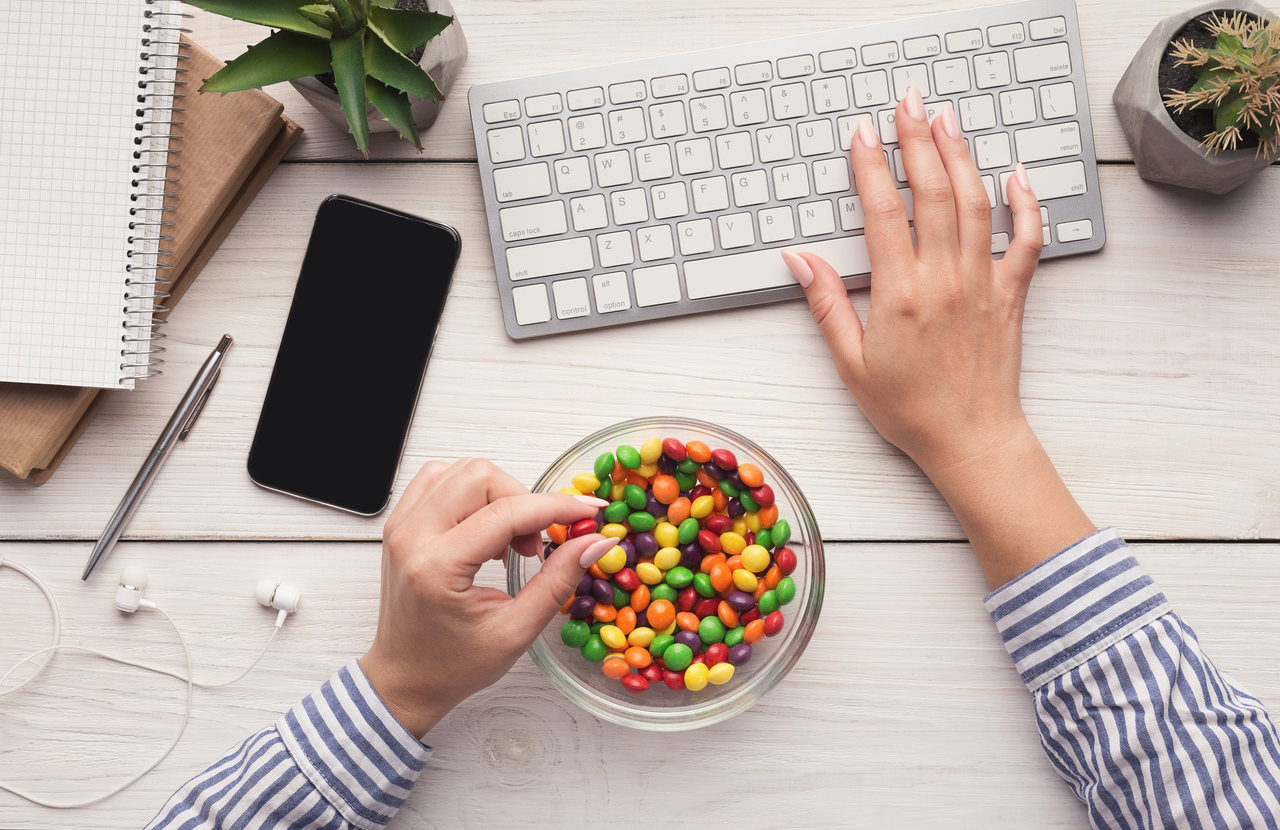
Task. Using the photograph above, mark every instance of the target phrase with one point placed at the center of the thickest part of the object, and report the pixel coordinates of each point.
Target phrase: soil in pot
(1197, 123)
(416, 55)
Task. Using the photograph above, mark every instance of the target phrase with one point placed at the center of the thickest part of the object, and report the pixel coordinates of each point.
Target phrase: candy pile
(698, 576)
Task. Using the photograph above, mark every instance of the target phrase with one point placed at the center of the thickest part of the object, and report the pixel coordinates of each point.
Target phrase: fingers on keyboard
(935, 211)
(888, 237)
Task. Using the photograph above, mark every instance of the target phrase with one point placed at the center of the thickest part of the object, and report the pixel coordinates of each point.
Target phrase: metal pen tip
(224, 343)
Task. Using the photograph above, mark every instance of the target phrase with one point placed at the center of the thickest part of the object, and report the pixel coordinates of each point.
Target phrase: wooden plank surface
(903, 712)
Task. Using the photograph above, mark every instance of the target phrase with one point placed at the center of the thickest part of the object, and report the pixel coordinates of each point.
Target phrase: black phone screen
(353, 354)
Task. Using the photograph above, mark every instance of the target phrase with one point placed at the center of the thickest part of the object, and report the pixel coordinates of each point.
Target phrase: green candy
(781, 533)
(604, 465)
(660, 644)
(642, 522)
(605, 488)
(677, 657)
(628, 457)
(597, 625)
(786, 590)
(768, 602)
(702, 584)
(734, 636)
(663, 591)
(594, 649)
(688, 466)
(634, 496)
(575, 633)
(728, 489)
(688, 530)
(763, 537)
(711, 630)
(749, 504)
(617, 512)
(620, 597)
(679, 577)
(686, 481)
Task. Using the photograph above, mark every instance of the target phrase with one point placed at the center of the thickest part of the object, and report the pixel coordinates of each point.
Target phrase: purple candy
(740, 601)
(642, 618)
(582, 607)
(691, 556)
(740, 653)
(646, 545)
(715, 472)
(602, 589)
(691, 639)
(737, 482)
(736, 509)
(666, 464)
(584, 585)
(630, 550)
(655, 508)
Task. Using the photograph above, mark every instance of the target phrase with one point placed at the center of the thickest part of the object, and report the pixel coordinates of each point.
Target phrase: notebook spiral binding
(160, 91)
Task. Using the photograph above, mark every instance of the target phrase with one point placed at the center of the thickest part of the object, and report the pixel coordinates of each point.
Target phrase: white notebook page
(69, 74)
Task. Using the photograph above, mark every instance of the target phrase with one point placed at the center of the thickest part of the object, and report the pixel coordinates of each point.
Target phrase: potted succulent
(351, 59)
(1200, 103)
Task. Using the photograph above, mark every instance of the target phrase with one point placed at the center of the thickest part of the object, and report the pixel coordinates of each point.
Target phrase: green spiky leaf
(396, 71)
(348, 75)
(406, 30)
(350, 16)
(278, 14)
(321, 14)
(382, 4)
(395, 109)
(282, 56)
(1228, 113)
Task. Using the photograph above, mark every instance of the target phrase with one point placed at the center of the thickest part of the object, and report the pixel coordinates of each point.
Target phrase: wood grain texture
(903, 712)
(1153, 380)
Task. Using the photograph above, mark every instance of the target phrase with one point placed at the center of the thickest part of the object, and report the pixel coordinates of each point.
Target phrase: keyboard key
(775, 143)
(846, 126)
(667, 120)
(991, 70)
(965, 41)
(791, 181)
(695, 237)
(830, 94)
(589, 212)
(1075, 231)
(532, 221)
(999, 243)
(669, 200)
(750, 187)
(1017, 107)
(831, 176)
(951, 76)
(916, 75)
(776, 224)
(1054, 141)
(852, 218)
(586, 132)
(501, 111)
(1058, 100)
(870, 89)
(656, 285)
(1054, 182)
(977, 113)
(887, 120)
(611, 292)
(736, 230)
(536, 106)
(1006, 34)
(694, 156)
(899, 169)
(615, 249)
(547, 259)
(627, 126)
(630, 206)
(709, 79)
(734, 150)
(531, 304)
(1039, 63)
(1049, 27)
(710, 194)
(796, 67)
(669, 85)
(837, 60)
(759, 270)
(991, 151)
(528, 181)
(789, 101)
(506, 144)
(816, 138)
(546, 138)
(816, 219)
(653, 162)
(572, 175)
(1046, 236)
(708, 113)
(753, 73)
(748, 107)
(654, 242)
(1044, 216)
(626, 93)
(585, 99)
(613, 169)
(878, 53)
(571, 298)
(922, 47)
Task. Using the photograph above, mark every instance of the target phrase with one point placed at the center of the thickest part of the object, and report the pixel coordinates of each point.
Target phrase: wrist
(416, 711)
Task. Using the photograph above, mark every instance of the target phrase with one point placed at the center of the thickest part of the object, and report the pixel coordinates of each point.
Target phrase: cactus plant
(364, 43)
(1238, 78)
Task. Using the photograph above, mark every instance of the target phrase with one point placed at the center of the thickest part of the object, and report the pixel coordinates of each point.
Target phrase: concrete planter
(442, 59)
(1162, 151)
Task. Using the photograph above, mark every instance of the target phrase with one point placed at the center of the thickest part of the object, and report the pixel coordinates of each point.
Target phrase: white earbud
(129, 595)
(284, 598)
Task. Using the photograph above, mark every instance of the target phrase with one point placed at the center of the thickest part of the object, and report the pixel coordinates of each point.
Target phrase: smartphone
(353, 354)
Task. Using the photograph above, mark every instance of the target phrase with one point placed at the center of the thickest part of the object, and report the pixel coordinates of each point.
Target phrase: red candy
(653, 673)
(763, 495)
(673, 679)
(698, 492)
(582, 528)
(773, 624)
(717, 653)
(688, 599)
(674, 450)
(725, 460)
(627, 579)
(749, 617)
(636, 683)
(701, 658)
(719, 523)
(708, 541)
(706, 608)
(785, 559)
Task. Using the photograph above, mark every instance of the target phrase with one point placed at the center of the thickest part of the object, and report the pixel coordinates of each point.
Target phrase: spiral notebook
(86, 104)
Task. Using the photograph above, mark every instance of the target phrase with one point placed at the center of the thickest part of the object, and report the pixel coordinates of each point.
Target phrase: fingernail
(949, 123)
(798, 268)
(1020, 173)
(914, 104)
(592, 501)
(867, 134)
(596, 550)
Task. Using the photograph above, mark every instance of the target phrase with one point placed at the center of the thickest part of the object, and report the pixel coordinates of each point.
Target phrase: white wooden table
(1151, 374)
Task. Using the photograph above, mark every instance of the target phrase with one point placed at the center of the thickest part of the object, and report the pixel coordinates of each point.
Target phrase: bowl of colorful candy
(712, 592)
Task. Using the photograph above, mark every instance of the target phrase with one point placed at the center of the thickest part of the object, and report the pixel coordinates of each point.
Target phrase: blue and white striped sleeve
(338, 759)
(1132, 714)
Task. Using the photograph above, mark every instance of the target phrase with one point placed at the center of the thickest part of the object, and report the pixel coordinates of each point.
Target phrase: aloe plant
(1238, 78)
(365, 43)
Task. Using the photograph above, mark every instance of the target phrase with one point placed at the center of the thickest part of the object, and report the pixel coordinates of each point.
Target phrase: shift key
(549, 258)
(1056, 181)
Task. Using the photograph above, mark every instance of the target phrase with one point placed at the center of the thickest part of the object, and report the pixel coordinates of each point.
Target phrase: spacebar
(758, 270)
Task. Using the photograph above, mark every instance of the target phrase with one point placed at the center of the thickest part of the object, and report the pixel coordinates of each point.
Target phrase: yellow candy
(670, 629)
(667, 558)
(617, 492)
(641, 636)
(647, 470)
(613, 561)
(613, 636)
(571, 491)
(650, 574)
(667, 534)
(702, 507)
(695, 677)
(586, 483)
(650, 451)
(732, 544)
(753, 522)
(615, 530)
(720, 673)
(755, 558)
(740, 526)
(745, 581)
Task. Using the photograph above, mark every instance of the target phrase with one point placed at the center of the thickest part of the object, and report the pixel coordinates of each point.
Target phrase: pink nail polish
(596, 550)
(592, 501)
(798, 268)
(949, 123)
(867, 134)
(914, 104)
(1020, 173)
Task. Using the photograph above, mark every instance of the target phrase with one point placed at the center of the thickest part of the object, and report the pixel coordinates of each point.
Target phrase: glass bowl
(660, 708)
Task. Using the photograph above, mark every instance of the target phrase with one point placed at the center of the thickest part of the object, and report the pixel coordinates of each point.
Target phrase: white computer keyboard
(667, 186)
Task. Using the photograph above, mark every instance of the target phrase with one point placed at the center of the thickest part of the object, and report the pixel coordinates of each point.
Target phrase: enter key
(1054, 141)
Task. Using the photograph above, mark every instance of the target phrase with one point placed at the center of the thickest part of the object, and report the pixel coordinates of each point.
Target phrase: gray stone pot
(1162, 151)
(442, 59)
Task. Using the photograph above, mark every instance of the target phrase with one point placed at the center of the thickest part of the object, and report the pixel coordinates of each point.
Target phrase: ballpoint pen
(180, 423)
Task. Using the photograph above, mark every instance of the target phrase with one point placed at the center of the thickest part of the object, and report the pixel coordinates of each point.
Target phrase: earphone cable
(57, 625)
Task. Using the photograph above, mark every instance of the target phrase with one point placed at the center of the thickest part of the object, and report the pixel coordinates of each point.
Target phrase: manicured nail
(950, 125)
(592, 501)
(798, 268)
(867, 134)
(1020, 173)
(596, 550)
(914, 104)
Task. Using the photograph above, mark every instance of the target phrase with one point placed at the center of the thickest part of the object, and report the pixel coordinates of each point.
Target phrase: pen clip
(204, 399)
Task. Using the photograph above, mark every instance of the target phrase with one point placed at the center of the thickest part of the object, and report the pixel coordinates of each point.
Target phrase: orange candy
(615, 667)
(596, 572)
(687, 621)
(698, 451)
(710, 561)
(638, 657)
(768, 515)
(760, 589)
(720, 500)
(705, 479)
(734, 562)
(558, 534)
(754, 632)
(638, 480)
(604, 612)
(626, 619)
(564, 609)
(750, 475)
(678, 510)
(619, 473)
(639, 598)
(773, 576)
(727, 615)
(665, 489)
(721, 576)
(660, 614)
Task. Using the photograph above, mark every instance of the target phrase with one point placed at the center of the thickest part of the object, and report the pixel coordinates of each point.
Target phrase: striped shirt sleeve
(1131, 712)
(338, 759)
